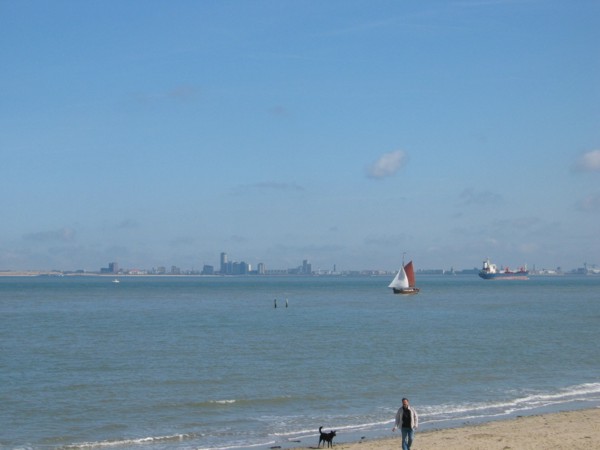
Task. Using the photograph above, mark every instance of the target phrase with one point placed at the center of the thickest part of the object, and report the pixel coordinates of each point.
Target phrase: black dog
(326, 438)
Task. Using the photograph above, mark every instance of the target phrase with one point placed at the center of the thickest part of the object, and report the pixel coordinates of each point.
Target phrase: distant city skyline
(233, 267)
(343, 133)
(220, 265)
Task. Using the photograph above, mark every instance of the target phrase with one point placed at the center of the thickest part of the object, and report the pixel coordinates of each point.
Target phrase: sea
(255, 362)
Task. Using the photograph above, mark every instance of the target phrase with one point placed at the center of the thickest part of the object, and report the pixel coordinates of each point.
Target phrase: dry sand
(573, 430)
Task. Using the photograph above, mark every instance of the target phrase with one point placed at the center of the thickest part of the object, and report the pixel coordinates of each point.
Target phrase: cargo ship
(489, 271)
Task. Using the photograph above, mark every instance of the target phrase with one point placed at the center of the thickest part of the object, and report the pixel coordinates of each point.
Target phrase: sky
(347, 133)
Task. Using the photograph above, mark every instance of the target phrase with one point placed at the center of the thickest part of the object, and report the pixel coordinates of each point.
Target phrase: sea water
(211, 363)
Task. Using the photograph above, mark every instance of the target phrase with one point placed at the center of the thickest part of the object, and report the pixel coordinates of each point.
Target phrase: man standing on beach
(408, 421)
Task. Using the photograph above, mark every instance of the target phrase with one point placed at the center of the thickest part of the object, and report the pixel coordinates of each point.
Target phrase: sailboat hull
(407, 291)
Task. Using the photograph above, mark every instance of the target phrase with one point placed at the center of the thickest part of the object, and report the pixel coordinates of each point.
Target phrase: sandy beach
(573, 430)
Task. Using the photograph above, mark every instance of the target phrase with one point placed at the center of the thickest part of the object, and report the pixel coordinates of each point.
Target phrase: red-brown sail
(410, 273)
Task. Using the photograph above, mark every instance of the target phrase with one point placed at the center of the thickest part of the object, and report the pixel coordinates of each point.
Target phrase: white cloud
(589, 161)
(591, 203)
(387, 165)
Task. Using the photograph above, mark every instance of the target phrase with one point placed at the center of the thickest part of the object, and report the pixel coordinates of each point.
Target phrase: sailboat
(404, 281)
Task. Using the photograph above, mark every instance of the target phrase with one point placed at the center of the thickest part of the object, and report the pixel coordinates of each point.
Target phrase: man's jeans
(408, 435)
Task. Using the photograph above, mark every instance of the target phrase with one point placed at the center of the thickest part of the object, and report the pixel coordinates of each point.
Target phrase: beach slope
(573, 430)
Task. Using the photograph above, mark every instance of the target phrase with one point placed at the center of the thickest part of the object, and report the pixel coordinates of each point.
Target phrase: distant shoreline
(28, 273)
(350, 274)
(32, 273)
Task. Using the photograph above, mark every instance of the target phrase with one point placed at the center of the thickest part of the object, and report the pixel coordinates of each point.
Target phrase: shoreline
(366, 274)
(574, 430)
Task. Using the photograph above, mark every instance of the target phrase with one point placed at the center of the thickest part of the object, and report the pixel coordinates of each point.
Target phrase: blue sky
(343, 132)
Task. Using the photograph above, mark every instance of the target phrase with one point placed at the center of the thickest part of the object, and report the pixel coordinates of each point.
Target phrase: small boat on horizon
(490, 271)
(404, 281)
(116, 280)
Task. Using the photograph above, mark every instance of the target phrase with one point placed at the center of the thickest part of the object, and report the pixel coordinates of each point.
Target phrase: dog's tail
(320, 428)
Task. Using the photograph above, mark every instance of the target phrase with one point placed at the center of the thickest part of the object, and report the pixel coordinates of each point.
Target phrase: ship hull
(505, 276)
